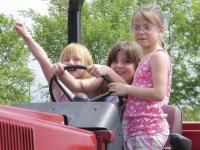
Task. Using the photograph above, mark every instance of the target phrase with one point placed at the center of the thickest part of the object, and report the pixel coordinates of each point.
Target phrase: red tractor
(83, 124)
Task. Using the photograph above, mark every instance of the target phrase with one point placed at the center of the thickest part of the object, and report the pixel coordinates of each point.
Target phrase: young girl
(147, 127)
(72, 54)
(123, 58)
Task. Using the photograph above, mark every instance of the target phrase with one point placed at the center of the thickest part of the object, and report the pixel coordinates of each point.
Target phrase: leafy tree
(15, 76)
(105, 23)
(185, 52)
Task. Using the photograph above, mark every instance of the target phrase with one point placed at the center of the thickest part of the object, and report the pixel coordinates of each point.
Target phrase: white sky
(11, 7)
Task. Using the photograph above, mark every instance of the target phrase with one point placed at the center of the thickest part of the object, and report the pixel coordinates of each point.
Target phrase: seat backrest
(174, 118)
(176, 141)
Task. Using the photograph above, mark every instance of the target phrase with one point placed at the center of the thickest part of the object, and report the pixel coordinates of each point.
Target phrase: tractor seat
(175, 140)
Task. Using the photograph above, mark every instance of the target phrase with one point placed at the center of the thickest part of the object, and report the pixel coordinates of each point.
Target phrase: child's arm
(37, 51)
(102, 70)
(160, 65)
(77, 85)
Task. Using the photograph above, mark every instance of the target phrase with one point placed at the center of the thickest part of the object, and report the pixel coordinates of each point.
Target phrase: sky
(11, 7)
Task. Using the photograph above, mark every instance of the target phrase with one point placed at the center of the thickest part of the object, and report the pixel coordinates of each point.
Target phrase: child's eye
(135, 28)
(147, 28)
(127, 61)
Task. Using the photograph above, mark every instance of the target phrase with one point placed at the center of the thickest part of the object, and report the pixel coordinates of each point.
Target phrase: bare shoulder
(160, 61)
(160, 56)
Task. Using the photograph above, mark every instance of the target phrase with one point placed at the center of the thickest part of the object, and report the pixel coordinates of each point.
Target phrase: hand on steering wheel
(68, 92)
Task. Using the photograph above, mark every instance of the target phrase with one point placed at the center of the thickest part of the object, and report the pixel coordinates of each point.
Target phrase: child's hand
(20, 28)
(98, 70)
(58, 69)
(118, 89)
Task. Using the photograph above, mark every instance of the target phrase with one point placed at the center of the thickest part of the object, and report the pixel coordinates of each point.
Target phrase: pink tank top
(142, 116)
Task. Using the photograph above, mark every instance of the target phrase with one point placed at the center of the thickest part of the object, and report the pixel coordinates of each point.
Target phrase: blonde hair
(78, 50)
(154, 15)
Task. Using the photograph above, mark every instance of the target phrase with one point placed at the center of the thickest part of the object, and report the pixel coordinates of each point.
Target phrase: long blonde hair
(154, 15)
(78, 50)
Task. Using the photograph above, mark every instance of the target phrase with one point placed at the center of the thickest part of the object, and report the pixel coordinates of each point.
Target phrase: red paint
(22, 129)
(191, 130)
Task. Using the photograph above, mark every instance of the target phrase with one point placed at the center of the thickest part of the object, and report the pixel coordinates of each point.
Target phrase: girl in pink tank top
(146, 117)
(147, 127)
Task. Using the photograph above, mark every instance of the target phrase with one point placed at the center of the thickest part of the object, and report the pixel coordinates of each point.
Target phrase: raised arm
(37, 51)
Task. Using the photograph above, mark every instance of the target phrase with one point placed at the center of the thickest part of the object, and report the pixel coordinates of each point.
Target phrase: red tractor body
(23, 129)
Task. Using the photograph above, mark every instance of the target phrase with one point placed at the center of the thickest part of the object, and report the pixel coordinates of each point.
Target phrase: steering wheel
(68, 92)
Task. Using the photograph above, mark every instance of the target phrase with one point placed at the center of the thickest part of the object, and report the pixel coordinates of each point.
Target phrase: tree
(104, 24)
(15, 75)
(185, 51)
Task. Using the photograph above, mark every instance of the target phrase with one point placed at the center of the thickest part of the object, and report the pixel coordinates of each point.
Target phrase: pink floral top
(142, 116)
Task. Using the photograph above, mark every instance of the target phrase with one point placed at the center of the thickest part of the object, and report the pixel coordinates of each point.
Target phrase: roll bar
(74, 21)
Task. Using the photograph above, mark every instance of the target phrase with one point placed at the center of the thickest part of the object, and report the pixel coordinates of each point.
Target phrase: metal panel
(86, 115)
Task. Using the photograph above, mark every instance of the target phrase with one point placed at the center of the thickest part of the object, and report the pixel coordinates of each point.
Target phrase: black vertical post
(74, 21)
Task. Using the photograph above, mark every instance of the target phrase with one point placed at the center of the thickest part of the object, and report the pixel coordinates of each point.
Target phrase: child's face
(73, 61)
(123, 67)
(146, 34)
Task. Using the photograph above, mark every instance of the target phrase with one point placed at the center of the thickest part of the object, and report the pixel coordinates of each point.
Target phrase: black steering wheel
(68, 92)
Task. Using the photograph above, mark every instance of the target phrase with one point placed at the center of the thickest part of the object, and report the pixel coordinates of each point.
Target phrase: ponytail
(163, 44)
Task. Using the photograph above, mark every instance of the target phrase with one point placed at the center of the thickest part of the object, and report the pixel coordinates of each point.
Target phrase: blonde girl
(72, 54)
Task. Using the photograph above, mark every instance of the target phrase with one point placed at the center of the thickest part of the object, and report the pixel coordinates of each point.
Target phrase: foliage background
(15, 76)
(105, 22)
